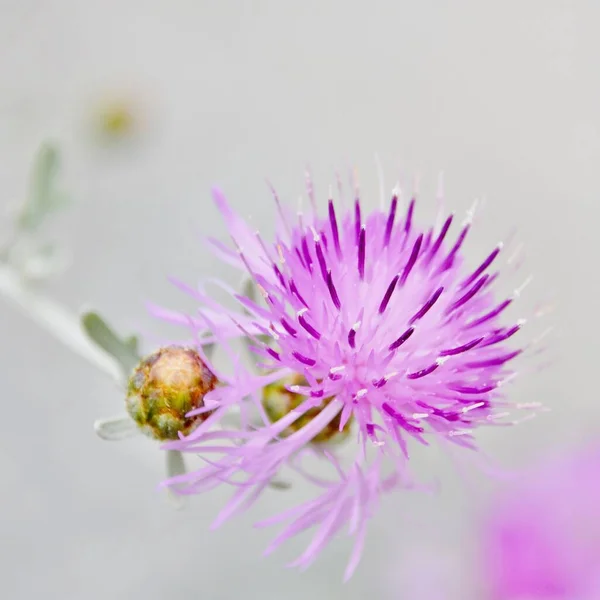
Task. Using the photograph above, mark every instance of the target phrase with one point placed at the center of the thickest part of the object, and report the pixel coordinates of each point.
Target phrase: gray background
(501, 96)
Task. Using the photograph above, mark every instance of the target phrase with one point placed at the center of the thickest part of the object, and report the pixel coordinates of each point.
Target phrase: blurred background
(150, 104)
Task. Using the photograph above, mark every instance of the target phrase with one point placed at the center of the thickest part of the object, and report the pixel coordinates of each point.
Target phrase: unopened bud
(166, 386)
(279, 401)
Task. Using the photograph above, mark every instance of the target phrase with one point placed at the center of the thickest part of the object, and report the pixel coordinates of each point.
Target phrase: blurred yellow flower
(116, 119)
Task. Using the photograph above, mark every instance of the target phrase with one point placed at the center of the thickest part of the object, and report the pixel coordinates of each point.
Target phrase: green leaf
(133, 343)
(209, 349)
(116, 428)
(58, 201)
(249, 289)
(125, 351)
(44, 197)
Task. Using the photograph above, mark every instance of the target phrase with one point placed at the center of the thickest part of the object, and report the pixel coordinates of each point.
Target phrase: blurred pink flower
(542, 537)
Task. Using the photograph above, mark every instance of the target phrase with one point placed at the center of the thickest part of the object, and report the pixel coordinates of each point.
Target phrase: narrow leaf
(43, 197)
(123, 350)
(116, 428)
(279, 484)
(132, 342)
(249, 289)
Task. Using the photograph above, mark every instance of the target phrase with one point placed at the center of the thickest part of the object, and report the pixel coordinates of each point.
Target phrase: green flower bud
(279, 401)
(164, 387)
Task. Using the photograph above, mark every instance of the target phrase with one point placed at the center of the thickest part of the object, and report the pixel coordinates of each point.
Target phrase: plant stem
(56, 320)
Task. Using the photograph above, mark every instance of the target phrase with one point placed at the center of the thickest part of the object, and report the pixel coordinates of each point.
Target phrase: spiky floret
(376, 316)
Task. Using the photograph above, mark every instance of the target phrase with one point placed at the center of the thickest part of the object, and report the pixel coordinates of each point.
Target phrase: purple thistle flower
(542, 537)
(382, 326)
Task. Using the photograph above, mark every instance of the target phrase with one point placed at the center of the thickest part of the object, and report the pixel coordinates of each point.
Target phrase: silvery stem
(56, 320)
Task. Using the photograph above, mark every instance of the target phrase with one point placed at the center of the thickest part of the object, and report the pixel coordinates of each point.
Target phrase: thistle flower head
(368, 321)
(164, 388)
(380, 316)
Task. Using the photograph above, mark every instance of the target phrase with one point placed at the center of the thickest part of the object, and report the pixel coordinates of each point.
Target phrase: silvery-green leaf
(249, 289)
(43, 197)
(39, 268)
(116, 428)
(279, 484)
(123, 350)
(209, 349)
(47, 261)
(58, 201)
(132, 342)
